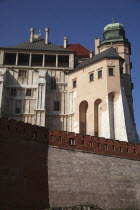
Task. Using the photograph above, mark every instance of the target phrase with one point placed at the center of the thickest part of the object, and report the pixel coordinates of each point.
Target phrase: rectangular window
(63, 61)
(50, 60)
(120, 149)
(91, 77)
(37, 59)
(106, 146)
(28, 92)
(74, 83)
(56, 106)
(22, 73)
(13, 91)
(91, 144)
(23, 59)
(113, 148)
(110, 71)
(10, 58)
(18, 107)
(99, 74)
(72, 141)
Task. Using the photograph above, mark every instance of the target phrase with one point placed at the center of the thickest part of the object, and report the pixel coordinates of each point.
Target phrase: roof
(109, 53)
(113, 26)
(80, 50)
(38, 44)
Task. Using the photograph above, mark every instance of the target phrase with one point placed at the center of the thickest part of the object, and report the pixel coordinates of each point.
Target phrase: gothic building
(70, 88)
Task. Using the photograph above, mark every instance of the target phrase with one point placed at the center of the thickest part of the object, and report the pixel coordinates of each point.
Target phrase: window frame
(111, 67)
(30, 91)
(56, 106)
(22, 73)
(99, 77)
(74, 83)
(91, 73)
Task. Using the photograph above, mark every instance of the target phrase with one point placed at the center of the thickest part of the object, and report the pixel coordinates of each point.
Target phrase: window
(99, 74)
(72, 141)
(28, 92)
(10, 58)
(125, 50)
(110, 71)
(18, 107)
(37, 60)
(53, 83)
(13, 91)
(74, 84)
(120, 149)
(56, 106)
(50, 60)
(63, 61)
(17, 110)
(23, 59)
(91, 77)
(91, 144)
(106, 146)
(22, 73)
(113, 148)
(35, 135)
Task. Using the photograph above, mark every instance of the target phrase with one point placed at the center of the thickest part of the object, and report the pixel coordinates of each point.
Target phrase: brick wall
(82, 168)
(23, 167)
(25, 131)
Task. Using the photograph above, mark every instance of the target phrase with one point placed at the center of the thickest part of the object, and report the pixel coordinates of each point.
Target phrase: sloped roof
(38, 44)
(109, 53)
(79, 49)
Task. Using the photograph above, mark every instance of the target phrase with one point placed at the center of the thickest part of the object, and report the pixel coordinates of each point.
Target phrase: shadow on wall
(14, 101)
(23, 166)
(54, 102)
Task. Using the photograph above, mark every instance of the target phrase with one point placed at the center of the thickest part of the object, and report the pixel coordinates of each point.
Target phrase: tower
(101, 101)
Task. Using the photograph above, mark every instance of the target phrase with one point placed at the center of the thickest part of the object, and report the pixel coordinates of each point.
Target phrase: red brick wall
(94, 144)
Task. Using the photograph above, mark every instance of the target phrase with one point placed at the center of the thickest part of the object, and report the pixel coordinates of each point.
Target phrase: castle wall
(83, 178)
(74, 169)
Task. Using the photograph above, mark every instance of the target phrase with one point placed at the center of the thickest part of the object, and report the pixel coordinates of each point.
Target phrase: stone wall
(82, 178)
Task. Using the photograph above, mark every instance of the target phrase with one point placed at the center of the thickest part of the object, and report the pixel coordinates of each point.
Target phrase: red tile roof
(80, 50)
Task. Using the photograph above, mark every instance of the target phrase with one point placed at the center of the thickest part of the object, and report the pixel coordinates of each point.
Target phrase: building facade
(68, 87)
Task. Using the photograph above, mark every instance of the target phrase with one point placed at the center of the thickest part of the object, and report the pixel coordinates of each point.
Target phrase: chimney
(31, 35)
(47, 36)
(97, 43)
(91, 54)
(65, 42)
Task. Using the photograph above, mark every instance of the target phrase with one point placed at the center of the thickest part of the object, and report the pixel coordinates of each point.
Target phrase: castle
(68, 87)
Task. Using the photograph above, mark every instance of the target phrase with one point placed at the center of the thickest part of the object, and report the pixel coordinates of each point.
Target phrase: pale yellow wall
(90, 91)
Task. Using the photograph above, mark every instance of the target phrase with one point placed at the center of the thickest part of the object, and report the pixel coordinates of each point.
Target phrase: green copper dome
(113, 26)
(114, 32)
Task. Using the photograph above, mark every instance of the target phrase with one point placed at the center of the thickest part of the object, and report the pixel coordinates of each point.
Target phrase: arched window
(82, 117)
(97, 116)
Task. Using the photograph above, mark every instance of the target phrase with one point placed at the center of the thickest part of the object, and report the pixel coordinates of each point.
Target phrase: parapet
(20, 131)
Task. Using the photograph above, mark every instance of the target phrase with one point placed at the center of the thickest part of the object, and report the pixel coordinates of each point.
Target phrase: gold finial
(113, 20)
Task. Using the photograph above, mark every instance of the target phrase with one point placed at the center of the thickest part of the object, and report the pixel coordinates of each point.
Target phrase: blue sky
(81, 21)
